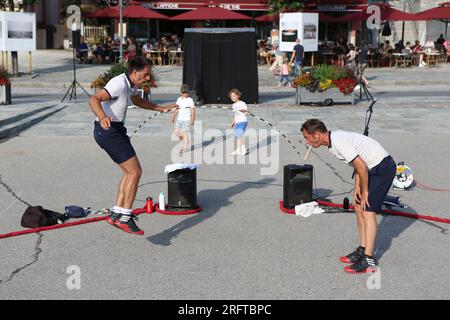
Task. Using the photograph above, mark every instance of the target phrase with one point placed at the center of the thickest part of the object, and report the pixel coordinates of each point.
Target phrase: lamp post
(121, 30)
(120, 25)
(403, 22)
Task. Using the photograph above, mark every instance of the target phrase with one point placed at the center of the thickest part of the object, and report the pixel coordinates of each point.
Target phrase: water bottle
(162, 204)
(149, 205)
(346, 204)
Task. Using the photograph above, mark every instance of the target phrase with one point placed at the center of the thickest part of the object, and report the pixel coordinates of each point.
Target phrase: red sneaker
(127, 224)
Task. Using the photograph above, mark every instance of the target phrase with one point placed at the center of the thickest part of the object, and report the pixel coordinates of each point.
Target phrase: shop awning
(441, 12)
(132, 11)
(211, 13)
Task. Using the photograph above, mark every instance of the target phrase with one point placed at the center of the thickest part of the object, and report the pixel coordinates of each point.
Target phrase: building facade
(50, 15)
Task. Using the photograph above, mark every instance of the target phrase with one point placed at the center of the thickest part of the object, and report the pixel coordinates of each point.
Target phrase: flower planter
(5, 94)
(305, 96)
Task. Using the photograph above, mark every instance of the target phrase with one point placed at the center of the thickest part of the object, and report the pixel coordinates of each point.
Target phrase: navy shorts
(380, 181)
(114, 141)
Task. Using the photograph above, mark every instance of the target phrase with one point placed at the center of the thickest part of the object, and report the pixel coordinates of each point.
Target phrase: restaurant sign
(162, 5)
(334, 7)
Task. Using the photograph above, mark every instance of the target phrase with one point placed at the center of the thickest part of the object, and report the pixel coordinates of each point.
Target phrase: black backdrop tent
(217, 60)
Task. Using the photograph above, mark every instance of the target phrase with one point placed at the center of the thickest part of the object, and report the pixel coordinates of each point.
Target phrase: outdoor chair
(175, 58)
(408, 62)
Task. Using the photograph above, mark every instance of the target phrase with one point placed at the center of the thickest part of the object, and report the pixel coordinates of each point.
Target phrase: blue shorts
(380, 181)
(239, 129)
(114, 141)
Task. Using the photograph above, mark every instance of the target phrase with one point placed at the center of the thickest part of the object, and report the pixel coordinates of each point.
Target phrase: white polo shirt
(120, 90)
(184, 112)
(238, 115)
(347, 146)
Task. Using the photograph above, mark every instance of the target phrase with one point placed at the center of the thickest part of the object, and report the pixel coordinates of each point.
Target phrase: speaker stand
(72, 91)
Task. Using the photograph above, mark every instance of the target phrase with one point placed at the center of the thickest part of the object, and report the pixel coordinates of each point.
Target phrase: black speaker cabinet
(76, 35)
(182, 189)
(297, 185)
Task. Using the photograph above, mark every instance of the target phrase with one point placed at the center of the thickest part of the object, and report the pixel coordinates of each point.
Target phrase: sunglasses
(184, 91)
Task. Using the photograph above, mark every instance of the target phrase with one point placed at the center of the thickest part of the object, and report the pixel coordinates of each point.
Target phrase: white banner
(299, 25)
(17, 31)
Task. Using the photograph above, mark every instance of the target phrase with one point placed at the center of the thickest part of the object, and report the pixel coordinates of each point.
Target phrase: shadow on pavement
(14, 131)
(216, 199)
(22, 116)
(391, 227)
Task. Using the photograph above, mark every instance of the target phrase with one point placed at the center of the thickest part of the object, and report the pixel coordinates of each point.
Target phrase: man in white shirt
(110, 107)
(375, 170)
(147, 47)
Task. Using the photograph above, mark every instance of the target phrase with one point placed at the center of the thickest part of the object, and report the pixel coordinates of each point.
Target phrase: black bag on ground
(35, 217)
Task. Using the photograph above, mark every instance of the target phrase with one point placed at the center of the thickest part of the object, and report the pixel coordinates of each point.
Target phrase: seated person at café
(429, 45)
(399, 47)
(446, 46)
(440, 42)
(98, 54)
(164, 52)
(131, 50)
(147, 48)
(407, 49)
(386, 53)
(82, 51)
(416, 49)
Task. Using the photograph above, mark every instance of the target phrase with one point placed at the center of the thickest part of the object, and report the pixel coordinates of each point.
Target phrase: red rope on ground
(53, 227)
(176, 213)
(390, 212)
(63, 225)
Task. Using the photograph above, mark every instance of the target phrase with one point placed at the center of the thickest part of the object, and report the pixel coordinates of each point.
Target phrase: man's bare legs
(367, 228)
(129, 183)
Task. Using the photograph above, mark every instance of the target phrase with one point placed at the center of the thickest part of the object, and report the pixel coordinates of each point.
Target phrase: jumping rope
(225, 108)
(156, 207)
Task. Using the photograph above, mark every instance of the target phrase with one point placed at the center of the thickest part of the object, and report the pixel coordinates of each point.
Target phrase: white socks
(121, 210)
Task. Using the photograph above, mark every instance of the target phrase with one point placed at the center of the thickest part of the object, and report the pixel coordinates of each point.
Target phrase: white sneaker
(243, 151)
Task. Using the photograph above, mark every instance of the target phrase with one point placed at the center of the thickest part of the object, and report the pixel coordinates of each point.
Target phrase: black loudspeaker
(297, 184)
(76, 35)
(182, 189)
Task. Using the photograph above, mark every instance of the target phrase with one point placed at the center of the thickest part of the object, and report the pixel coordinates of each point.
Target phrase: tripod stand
(73, 87)
(362, 86)
(369, 111)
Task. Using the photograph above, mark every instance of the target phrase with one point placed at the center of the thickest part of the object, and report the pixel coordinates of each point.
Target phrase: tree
(9, 4)
(277, 6)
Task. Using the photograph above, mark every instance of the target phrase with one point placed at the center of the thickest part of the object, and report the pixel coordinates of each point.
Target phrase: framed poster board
(299, 25)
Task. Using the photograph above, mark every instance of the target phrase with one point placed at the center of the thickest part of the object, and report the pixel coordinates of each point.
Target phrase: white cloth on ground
(307, 209)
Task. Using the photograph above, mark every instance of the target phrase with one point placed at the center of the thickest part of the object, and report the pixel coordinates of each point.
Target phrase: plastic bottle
(162, 204)
(149, 205)
(346, 204)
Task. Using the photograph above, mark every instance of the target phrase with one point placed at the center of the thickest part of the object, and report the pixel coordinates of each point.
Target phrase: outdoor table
(399, 59)
(430, 57)
(155, 57)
